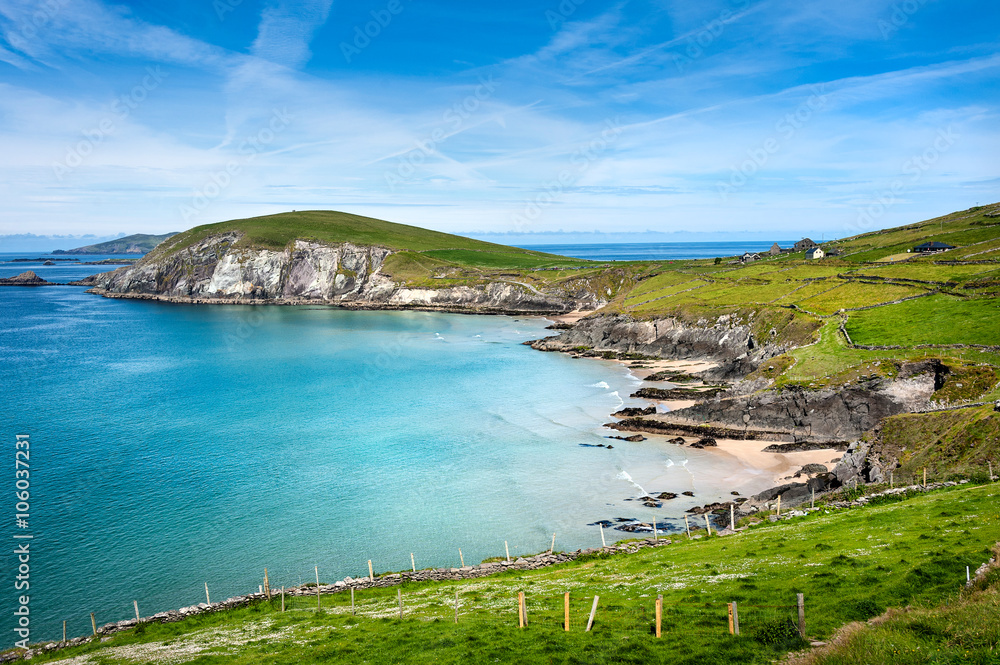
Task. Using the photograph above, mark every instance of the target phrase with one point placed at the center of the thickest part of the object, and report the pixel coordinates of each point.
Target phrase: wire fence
(643, 615)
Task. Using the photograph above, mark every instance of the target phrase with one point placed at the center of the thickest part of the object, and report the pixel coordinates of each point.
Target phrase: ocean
(658, 251)
(174, 445)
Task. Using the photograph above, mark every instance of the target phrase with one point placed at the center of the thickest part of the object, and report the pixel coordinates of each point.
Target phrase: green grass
(857, 294)
(327, 226)
(937, 319)
(850, 565)
(964, 631)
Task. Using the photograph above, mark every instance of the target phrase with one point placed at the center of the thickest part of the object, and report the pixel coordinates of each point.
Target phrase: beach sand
(714, 472)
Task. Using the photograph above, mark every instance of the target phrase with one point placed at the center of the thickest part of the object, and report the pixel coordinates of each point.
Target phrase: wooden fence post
(654, 529)
(991, 469)
(282, 599)
(603, 542)
(736, 620)
(135, 603)
(506, 549)
(659, 614)
(267, 585)
(687, 527)
(93, 622)
(520, 609)
(399, 596)
(317, 588)
(352, 602)
(566, 611)
(925, 476)
(413, 564)
(812, 502)
(552, 548)
(64, 631)
(802, 615)
(729, 607)
(456, 607)
(593, 612)
(371, 573)
(461, 557)
(779, 505)
(207, 599)
(708, 527)
(732, 517)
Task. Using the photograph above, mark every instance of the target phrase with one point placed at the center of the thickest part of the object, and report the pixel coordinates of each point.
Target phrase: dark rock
(678, 440)
(633, 412)
(717, 508)
(800, 446)
(810, 469)
(666, 495)
(706, 442)
(677, 393)
(735, 493)
(604, 523)
(688, 493)
(635, 438)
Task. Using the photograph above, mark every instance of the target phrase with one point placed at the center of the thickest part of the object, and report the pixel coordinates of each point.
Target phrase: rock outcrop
(826, 414)
(26, 278)
(217, 269)
(727, 339)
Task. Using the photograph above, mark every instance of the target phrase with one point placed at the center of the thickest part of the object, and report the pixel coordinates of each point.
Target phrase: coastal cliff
(218, 269)
(833, 415)
(730, 340)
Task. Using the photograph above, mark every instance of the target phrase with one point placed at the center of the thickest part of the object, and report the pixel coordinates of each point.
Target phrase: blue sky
(796, 118)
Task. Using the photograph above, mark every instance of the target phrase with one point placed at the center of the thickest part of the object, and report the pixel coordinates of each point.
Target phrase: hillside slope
(820, 350)
(139, 243)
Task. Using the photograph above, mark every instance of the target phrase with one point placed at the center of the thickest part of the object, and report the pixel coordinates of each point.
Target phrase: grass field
(850, 565)
(936, 319)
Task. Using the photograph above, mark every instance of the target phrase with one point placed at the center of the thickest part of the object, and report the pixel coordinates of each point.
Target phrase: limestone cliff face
(215, 269)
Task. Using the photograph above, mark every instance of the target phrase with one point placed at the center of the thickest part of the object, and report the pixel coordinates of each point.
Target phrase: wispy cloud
(697, 89)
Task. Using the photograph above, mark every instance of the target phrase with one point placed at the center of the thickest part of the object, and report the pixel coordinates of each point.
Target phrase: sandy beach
(714, 473)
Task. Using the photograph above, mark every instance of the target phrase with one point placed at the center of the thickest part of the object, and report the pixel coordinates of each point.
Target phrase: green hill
(139, 243)
(851, 565)
(415, 244)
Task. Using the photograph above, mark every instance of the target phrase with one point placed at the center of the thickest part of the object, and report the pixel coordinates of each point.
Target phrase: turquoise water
(174, 445)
